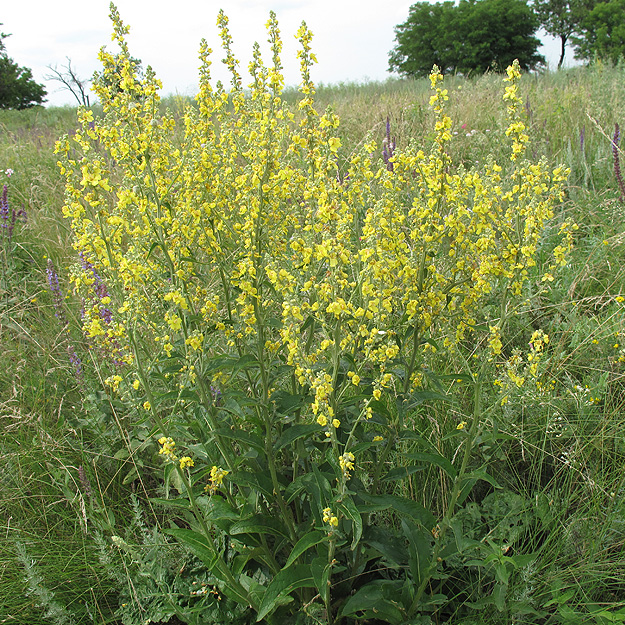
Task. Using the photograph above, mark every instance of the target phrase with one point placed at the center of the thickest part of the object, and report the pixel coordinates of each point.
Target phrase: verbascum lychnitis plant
(278, 320)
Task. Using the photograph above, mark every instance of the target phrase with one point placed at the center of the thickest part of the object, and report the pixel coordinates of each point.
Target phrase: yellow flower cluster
(216, 479)
(347, 463)
(329, 518)
(167, 449)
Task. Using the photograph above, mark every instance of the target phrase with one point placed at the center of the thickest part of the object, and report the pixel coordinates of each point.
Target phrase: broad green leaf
(387, 543)
(348, 508)
(247, 439)
(499, 595)
(285, 582)
(202, 547)
(400, 473)
(247, 361)
(288, 403)
(403, 505)
(185, 394)
(375, 601)
(259, 524)
(321, 569)
(257, 481)
(215, 508)
(437, 459)
(380, 407)
(417, 398)
(294, 433)
(180, 502)
(303, 544)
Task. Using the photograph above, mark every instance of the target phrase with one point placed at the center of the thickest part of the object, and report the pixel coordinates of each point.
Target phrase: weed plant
(209, 332)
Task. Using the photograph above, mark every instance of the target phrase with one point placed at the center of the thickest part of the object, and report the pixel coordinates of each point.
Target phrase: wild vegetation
(351, 354)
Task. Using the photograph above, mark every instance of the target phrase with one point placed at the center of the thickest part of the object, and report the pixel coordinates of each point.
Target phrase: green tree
(562, 19)
(424, 39)
(603, 32)
(18, 90)
(471, 37)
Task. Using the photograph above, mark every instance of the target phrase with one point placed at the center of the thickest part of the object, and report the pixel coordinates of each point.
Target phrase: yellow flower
(461, 425)
(334, 143)
(329, 518)
(167, 448)
(185, 462)
(216, 479)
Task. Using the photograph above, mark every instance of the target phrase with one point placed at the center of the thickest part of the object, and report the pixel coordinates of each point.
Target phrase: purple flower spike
(388, 149)
(59, 312)
(8, 216)
(582, 137)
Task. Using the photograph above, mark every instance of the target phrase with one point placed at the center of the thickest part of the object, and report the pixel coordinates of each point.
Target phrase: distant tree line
(475, 36)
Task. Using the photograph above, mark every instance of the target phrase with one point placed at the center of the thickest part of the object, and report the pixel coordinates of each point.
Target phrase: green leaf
(185, 394)
(294, 433)
(318, 486)
(375, 601)
(348, 508)
(198, 544)
(247, 439)
(319, 568)
(284, 583)
(180, 502)
(403, 505)
(417, 398)
(259, 524)
(380, 407)
(437, 459)
(499, 595)
(387, 543)
(400, 473)
(303, 544)
(288, 403)
(257, 481)
(215, 508)
(247, 361)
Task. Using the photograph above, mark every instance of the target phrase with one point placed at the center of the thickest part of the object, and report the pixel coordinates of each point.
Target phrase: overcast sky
(352, 38)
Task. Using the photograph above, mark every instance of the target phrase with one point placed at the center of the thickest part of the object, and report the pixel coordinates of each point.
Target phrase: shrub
(279, 320)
